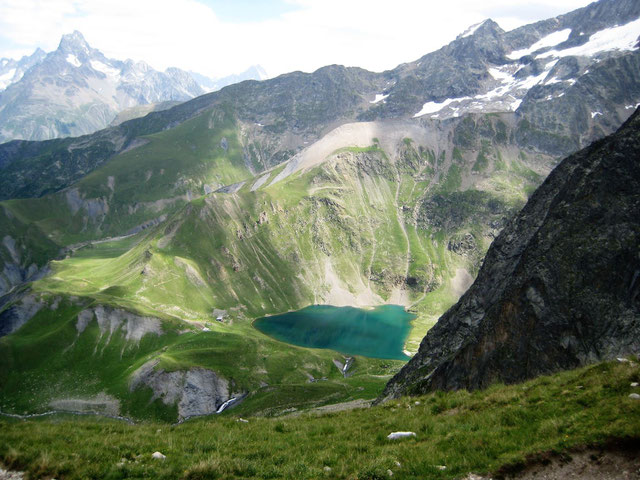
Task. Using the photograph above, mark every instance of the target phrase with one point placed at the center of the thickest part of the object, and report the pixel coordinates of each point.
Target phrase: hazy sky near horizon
(222, 37)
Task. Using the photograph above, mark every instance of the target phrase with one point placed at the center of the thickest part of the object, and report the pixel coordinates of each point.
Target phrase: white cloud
(372, 34)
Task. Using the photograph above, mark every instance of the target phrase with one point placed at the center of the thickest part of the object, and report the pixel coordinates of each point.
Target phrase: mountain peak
(73, 42)
(481, 28)
(257, 72)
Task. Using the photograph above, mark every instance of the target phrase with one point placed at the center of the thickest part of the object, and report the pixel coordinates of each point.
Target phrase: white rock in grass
(396, 435)
(626, 360)
(441, 467)
(634, 396)
(11, 475)
(634, 384)
(158, 456)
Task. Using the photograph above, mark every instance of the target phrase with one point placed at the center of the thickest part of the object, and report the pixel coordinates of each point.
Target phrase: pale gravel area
(338, 295)
(461, 281)
(10, 475)
(335, 407)
(359, 134)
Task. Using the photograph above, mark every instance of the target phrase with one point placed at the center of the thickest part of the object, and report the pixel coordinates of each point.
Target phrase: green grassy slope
(464, 432)
(142, 183)
(134, 190)
(366, 226)
(49, 360)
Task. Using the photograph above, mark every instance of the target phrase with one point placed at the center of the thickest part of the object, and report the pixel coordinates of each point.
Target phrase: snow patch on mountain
(73, 60)
(505, 72)
(622, 38)
(511, 85)
(108, 70)
(472, 29)
(6, 79)
(379, 98)
(432, 107)
(506, 97)
(550, 40)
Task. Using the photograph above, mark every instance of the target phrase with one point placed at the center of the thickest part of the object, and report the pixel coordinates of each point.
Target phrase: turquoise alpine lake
(377, 333)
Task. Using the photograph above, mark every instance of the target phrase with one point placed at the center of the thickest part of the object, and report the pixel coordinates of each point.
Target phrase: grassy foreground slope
(464, 432)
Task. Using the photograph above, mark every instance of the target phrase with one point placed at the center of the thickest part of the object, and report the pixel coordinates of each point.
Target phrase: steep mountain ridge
(558, 287)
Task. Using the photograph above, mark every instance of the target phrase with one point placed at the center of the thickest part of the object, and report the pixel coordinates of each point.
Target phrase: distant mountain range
(254, 72)
(76, 90)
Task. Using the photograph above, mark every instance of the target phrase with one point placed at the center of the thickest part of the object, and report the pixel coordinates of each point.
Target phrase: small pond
(378, 333)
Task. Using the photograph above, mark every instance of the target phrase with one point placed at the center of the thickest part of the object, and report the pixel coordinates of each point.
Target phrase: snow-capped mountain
(574, 75)
(254, 72)
(559, 56)
(76, 90)
(12, 70)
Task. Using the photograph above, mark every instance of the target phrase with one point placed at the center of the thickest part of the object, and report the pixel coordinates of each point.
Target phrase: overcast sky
(221, 37)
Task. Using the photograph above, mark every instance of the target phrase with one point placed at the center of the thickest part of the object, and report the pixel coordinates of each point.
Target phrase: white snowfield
(550, 40)
(510, 91)
(622, 38)
(472, 29)
(73, 60)
(108, 70)
(379, 98)
(7, 79)
(432, 107)
(506, 97)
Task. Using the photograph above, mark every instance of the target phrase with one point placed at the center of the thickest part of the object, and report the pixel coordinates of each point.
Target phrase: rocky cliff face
(196, 391)
(559, 287)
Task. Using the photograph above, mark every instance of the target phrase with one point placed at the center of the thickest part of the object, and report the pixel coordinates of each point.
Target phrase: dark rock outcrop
(13, 317)
(559, 287)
